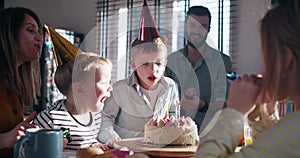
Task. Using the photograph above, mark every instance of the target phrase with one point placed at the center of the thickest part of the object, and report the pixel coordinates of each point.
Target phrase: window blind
(118, 23)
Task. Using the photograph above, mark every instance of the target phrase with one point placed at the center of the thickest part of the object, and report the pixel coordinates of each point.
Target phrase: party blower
(233, 75)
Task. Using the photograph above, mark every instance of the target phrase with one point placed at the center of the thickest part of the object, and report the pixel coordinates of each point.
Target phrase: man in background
(199, 70)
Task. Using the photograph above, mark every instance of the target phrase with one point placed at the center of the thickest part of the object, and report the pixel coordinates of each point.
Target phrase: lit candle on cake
(167, 108)
(177, 110)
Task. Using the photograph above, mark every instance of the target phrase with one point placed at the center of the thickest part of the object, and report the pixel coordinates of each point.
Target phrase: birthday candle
(247, 135)
(177, 110)
(167, 108)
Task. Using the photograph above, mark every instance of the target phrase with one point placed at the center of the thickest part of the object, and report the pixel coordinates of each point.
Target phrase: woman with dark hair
(20, 47)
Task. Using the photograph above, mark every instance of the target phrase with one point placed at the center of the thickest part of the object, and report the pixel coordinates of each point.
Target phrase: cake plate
(137, 145)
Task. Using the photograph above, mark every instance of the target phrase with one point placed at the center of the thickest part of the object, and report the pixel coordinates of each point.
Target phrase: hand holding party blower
(233, 75)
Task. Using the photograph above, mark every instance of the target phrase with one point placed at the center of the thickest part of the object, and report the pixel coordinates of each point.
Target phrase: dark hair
(19, 79)
(63, 77)
(16, 16)
(200, 11)
(273, 2)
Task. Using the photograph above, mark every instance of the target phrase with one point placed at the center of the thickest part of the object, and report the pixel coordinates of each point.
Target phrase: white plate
(137, 145)
(141, 142)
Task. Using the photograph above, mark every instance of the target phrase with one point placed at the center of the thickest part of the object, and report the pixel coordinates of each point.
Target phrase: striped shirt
(56, 116)
(281, 140)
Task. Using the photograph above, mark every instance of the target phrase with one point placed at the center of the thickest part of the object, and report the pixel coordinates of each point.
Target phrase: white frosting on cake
(171, 131)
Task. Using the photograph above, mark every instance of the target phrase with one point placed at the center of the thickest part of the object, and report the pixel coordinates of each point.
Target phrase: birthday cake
(171, 131)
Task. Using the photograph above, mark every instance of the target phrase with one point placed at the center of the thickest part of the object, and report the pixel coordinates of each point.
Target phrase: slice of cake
(171, 131)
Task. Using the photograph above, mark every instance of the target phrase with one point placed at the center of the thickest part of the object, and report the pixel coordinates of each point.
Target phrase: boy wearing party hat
(146, 93)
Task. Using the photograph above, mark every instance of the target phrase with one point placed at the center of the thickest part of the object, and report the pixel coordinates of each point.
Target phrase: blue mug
(40, 143)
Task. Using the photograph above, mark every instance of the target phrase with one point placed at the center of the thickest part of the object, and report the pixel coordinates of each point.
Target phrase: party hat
(63, 50)
(148, 30)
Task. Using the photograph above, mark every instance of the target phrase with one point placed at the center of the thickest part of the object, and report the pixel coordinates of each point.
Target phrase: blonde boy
(85, 81)
(145, 94)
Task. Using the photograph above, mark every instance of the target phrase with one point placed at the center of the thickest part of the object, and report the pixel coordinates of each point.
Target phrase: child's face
(150, 68)
(97, 88)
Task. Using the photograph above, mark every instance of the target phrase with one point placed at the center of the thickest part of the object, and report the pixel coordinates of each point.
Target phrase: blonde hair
(76, 70)
(280, 29)
(157, 45)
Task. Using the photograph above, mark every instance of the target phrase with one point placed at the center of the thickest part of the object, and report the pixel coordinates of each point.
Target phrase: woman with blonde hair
(280, 39)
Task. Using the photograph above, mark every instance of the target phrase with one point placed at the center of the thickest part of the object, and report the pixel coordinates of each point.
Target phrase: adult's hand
(243, 93)
(190, 101)
(191, 104)
(8, 139)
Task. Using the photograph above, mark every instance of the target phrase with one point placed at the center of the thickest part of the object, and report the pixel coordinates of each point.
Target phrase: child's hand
(65, 142)
(112, 141)
(100, 145)
(244, 92)
(66, 134)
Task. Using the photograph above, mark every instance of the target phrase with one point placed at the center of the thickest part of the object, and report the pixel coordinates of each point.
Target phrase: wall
(249, 59)
(79, 16)
(76, 15)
